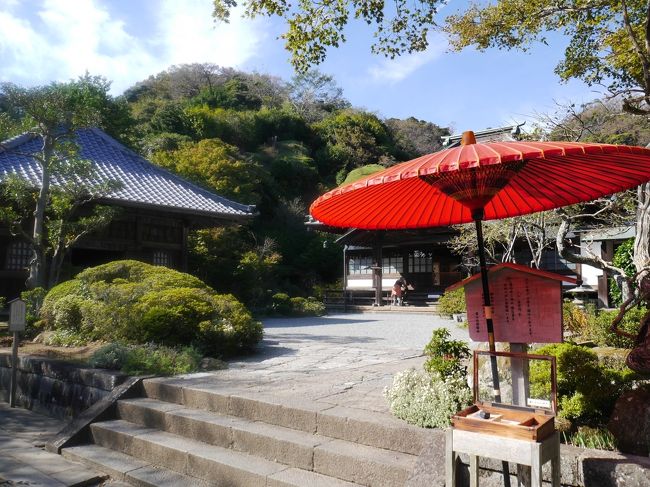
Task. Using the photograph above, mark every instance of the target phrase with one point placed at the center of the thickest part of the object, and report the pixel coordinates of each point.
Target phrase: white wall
(590, 274)
(386, 283)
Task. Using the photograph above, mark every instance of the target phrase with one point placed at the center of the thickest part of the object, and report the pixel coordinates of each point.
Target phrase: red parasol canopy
(506, 179)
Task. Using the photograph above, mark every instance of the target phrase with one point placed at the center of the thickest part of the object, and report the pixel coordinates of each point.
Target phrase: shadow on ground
(302, 322)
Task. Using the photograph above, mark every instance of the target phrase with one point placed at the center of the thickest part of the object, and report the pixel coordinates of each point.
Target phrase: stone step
(276, 443)
(344, 423)
(124, 468)
(333, 461)
(288, 446)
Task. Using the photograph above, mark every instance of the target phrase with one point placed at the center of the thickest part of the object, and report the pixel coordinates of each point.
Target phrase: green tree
(294, 172)
(414, 138)
(217, 165)
(234, 93)
(315, 95)
(53, 217)
(353, 139)
(315, 26)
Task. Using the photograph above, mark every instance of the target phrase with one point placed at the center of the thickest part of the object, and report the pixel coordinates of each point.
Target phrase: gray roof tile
(141, 182)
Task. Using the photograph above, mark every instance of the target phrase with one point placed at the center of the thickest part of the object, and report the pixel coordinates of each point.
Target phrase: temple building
(158, 209)
(375, 259)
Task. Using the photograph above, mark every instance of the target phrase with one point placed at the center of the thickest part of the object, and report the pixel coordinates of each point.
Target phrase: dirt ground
(27, 347)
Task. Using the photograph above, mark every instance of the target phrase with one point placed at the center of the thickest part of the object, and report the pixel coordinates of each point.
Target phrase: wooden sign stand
(522, 452)
(521, 432)
(526, 308)
(17, 321)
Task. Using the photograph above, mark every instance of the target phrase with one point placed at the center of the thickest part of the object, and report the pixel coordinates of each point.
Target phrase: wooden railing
(344, 298)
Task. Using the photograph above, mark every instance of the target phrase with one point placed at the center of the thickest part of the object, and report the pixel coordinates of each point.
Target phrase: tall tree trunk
(641, 256)
(37, 267)
(55, 267)
(593, 260)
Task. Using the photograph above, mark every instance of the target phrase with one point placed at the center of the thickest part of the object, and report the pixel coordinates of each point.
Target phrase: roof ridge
(15, 141)
(118, 145)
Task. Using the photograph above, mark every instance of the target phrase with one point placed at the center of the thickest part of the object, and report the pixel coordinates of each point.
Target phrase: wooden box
(512, 420)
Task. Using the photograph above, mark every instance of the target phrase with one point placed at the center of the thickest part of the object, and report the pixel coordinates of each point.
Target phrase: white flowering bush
(427, 400)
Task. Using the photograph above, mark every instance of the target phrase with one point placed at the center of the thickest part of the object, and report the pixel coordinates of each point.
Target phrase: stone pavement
(23, 460)
(340, 359)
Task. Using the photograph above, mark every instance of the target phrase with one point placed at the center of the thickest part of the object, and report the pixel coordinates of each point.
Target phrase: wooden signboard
(17, 313)
(526, 303)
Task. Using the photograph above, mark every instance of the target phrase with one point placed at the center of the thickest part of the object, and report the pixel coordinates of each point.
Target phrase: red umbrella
(484, 181)
(501, 179)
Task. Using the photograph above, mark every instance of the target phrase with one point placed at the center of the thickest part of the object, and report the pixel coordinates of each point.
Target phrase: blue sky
(128, 40)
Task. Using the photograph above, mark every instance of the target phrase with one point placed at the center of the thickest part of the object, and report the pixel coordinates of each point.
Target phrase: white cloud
(70, 37)
(395, 70)
(188, 34)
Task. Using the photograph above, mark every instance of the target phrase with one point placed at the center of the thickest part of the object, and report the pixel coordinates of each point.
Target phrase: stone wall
(581, 467)
(54, 387)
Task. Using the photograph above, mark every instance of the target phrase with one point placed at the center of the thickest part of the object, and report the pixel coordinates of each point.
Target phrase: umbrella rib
(507, 147)
(614, 174)
(399, 195)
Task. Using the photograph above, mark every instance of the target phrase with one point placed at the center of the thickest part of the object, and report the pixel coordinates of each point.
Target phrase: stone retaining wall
(581, 467)
(54, 387)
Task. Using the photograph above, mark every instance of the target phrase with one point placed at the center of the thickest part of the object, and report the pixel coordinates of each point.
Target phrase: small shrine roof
(514, 267)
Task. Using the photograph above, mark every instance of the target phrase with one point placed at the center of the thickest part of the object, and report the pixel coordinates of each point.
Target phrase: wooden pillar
(346, 267)
(139, 233)
(603, 291)
(185, 231)
(520, 374)
(377, 270)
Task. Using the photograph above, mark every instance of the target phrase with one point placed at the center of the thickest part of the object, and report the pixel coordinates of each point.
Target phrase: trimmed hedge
(141, 303)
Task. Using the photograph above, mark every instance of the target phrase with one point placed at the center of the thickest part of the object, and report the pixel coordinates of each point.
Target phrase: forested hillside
(264, 141)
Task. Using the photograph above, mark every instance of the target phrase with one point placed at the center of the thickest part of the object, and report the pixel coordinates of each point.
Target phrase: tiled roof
(141, 182)
(499, 134)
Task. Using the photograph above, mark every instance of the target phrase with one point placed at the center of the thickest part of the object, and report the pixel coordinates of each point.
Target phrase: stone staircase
(187, 436)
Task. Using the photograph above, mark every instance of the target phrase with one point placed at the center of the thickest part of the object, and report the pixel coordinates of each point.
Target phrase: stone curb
(77, 431)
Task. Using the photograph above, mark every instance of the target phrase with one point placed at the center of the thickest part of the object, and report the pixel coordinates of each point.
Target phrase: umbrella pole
(487, 307)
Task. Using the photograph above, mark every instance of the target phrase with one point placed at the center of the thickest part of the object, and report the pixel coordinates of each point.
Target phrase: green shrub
(66, 312)
(33, 303)
(623, 259)
(231, 329)
(67, 338)
(139, 303)
(160, 360)
(586, 437)
(112, 356)
(281, 304)
(452, 302)
(599, 328)
(587, 391)
(146, 359)
(284, 305)
(446, 357)
(427, 400)
(307, 307)
(170, 317)
(574, 319)
(612, 358)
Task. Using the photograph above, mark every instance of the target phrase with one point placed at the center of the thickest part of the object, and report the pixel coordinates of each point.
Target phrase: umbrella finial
(468, 138)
